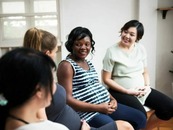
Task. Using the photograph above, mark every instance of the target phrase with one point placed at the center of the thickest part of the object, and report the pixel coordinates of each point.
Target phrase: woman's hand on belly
(133, 92)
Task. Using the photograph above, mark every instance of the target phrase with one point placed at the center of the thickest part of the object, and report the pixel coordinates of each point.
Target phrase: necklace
(19, 119)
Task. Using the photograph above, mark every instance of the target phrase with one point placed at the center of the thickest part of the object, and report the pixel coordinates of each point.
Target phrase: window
(16, 16)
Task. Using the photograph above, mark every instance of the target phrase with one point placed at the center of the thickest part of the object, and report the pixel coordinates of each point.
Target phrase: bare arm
(106, 77)
(146, 86)
(85, 126)
(65, 78)
(146, 77)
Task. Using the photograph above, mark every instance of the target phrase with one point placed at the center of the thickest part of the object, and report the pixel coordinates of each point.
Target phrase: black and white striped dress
(86, 87)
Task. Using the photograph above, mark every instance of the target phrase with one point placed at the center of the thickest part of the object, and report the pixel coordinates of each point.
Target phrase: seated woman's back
(60, 112)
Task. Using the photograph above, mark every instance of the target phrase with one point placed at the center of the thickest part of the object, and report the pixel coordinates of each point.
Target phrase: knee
(143, 122)
(123, 125)
(164, 115)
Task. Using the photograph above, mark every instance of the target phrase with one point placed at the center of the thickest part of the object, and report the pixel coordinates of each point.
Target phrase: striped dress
(87, 88)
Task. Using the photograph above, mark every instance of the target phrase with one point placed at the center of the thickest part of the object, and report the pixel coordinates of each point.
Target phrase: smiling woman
(126, 75)
(85, 93)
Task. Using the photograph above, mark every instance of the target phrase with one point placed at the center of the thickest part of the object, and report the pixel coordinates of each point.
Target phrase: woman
(126, 75)
(59, 111)
(85, 93)
(27, 85)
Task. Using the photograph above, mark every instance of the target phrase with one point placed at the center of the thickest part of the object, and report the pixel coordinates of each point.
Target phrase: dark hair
(79, 33)
(138, 25)
(21, 70)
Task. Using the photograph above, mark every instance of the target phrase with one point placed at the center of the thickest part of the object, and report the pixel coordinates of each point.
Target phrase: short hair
(138, 25)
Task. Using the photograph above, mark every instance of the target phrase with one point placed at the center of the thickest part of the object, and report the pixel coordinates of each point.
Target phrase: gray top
(127, 68)
(60, 112)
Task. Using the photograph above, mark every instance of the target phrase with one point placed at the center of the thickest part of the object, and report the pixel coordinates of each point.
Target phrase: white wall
(164, 58)
(104, 18)
(148, 16)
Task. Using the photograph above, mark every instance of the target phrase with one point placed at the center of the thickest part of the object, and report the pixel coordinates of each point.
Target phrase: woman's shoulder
(64, 63)
(65, 68)
(113, 46)
(113, 49)
(141, 47)
(43, 125)
(53, 125)
(67, 61)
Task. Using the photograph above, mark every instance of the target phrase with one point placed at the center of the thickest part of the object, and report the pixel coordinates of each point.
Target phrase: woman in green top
(125, 73)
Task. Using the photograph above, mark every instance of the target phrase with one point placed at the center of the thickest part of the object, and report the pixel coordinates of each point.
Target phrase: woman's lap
(128, 100)
(163, 108)
(133, 116)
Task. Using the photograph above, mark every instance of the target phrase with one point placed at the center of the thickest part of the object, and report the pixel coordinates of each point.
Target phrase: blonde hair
(39, 39)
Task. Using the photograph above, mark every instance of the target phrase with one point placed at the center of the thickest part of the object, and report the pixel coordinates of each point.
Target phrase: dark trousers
(135, 117)
(162, 104)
